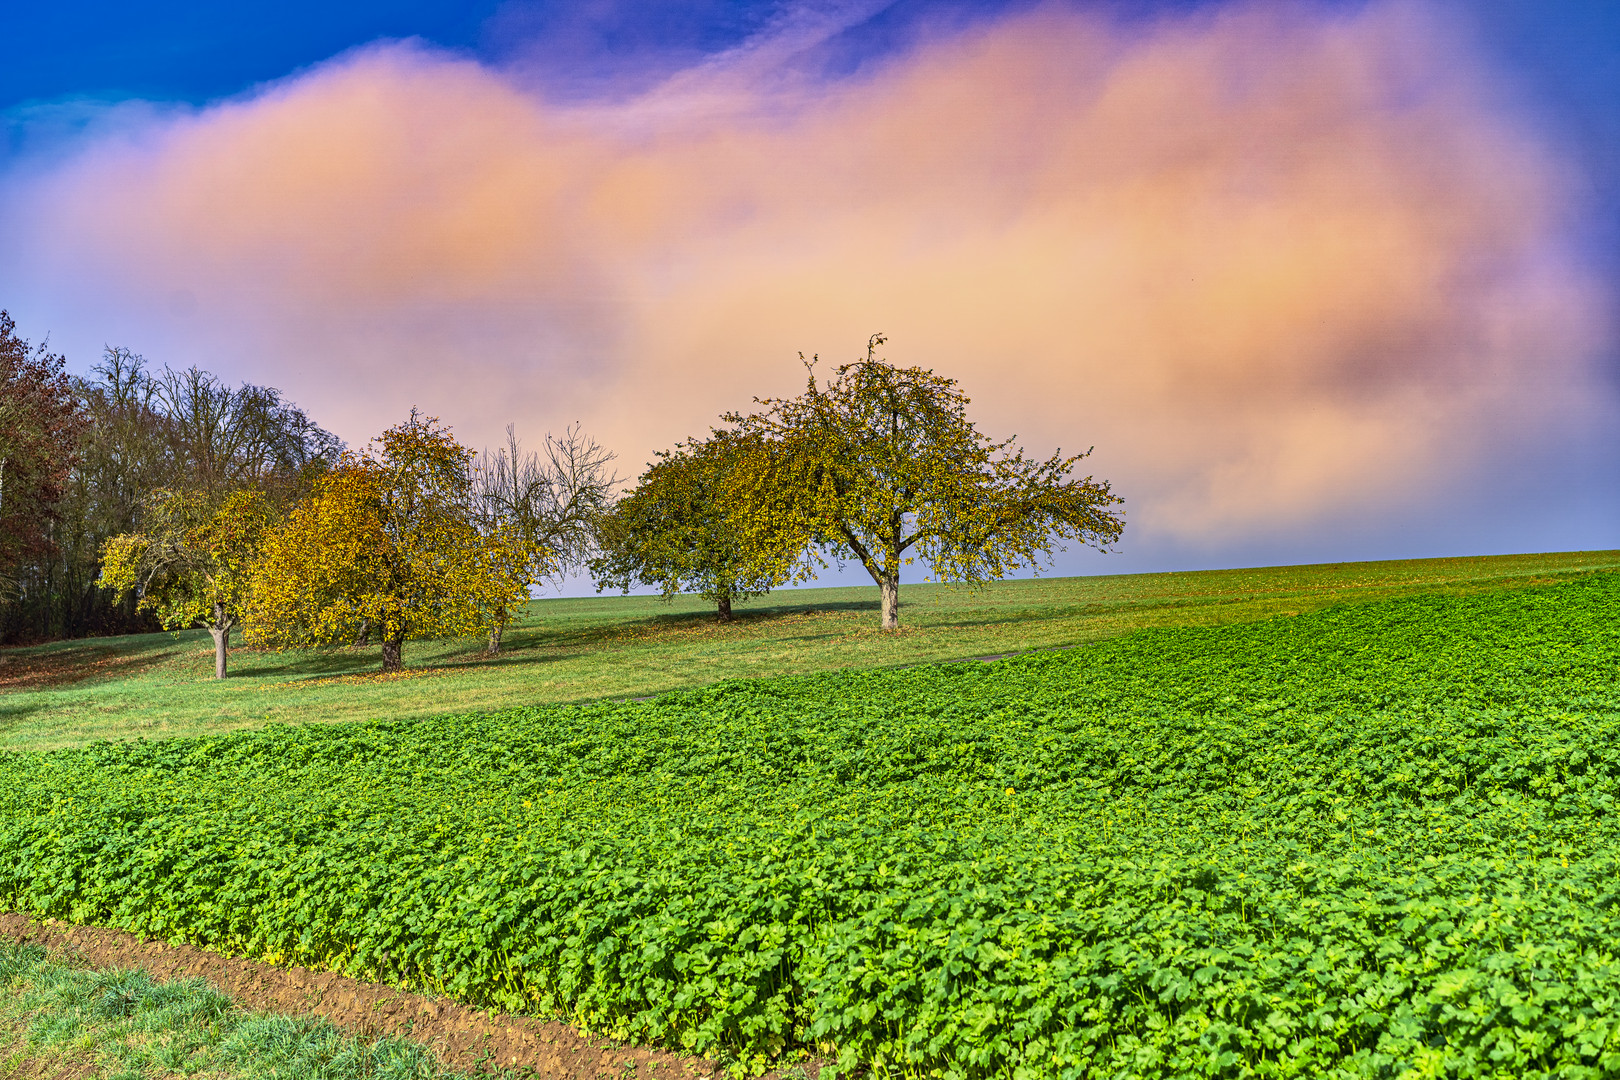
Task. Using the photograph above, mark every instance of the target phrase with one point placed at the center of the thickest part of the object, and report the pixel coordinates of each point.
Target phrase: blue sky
(91, 82)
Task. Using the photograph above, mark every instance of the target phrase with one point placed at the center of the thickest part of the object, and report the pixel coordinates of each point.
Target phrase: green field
(575, 650)
(1374, 839)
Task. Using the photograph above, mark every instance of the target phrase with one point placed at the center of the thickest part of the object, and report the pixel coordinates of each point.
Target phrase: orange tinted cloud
(1275, 264)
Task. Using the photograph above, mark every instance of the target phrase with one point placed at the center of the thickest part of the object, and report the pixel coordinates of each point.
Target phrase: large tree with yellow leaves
(387, 543)
(881, 465)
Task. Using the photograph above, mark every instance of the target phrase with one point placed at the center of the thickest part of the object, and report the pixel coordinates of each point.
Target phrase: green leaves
(679, 530)
(1372, 841)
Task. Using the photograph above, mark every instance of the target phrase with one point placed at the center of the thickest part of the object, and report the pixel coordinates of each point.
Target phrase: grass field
(573, 650)
(1373, 840)
(61, 1019)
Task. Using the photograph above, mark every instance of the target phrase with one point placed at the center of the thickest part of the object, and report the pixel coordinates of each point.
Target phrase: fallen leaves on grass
(359, 679)
(63, 666)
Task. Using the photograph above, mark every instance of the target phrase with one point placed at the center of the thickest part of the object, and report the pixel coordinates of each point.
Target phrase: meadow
(1333, 839)
(587, 649)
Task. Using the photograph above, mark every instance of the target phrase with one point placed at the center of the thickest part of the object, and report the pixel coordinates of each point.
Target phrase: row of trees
(230, 509)
(81, 460)
(413, 537)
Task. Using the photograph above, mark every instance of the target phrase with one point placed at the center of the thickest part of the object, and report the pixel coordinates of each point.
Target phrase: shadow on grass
(13, 715)
(43, 669)
(340, 660)
(549, 635)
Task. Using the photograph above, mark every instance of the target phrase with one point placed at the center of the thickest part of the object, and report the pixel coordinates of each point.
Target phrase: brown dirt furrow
(465, 1038)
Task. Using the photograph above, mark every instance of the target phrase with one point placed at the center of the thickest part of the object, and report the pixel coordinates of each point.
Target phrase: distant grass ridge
(1374, 840)
(585, 649)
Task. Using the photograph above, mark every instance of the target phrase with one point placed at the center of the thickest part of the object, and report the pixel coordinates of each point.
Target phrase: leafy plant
(1372, 841)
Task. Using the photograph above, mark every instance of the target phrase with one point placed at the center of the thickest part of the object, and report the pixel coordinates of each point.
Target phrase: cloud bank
(1281, 265)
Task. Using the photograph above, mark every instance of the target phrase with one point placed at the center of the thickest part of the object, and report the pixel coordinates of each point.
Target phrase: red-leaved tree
(40, 425)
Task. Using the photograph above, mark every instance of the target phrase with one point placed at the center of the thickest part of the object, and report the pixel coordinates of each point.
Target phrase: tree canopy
(882, 465)
(678, 530)
(387, 541)
(40, 425)
(192, 563)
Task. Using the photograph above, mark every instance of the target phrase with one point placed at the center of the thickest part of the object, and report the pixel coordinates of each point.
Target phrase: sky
(1319, 282)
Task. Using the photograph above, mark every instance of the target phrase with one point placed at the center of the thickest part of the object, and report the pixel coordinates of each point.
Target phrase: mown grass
(572, 650)
(57, 1018)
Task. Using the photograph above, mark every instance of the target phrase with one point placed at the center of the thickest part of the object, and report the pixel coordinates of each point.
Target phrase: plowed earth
(467, 1039)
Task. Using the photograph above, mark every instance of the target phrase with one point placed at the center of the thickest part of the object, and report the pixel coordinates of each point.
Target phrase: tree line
(80, 459)
(298, 541)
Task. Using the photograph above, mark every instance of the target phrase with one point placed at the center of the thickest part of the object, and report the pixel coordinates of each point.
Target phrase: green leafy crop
(1370, 841)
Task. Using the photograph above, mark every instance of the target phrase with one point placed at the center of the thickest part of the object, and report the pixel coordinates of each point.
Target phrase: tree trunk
(493, 648)
(393, 652)
(221, 631)
(364, 636)
(725, 608)
(220, 637)
(890, 587)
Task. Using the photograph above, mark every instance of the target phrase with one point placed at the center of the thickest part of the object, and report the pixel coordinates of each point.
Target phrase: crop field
(576, 650)
(1369, 840)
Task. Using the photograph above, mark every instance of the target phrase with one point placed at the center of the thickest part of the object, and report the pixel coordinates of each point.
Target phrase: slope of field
(1374, 840)
(575, 650)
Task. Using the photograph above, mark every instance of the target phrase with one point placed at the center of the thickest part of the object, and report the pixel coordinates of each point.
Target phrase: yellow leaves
(191, 563)
(386, 541)
(120, 561)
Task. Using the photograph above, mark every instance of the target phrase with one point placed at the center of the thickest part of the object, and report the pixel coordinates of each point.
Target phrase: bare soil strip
(467, 1039)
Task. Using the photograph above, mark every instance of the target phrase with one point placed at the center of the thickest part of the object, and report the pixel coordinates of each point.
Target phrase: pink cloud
(1274, 264)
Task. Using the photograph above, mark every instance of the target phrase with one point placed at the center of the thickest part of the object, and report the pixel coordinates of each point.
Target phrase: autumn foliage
(40, 422)
(882, 465)
(387, 544)
(192, 564)
(417, 536)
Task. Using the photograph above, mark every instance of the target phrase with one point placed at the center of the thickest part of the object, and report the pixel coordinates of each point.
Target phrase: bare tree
(223, 439)
(552, 499)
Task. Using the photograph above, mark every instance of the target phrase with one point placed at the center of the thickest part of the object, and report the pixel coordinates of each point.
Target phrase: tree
(192, 563)
(677, 530)
(221, 439)
(141, 433)
(550, 503)
(40, 428)
(883, 461)
(387, 541)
